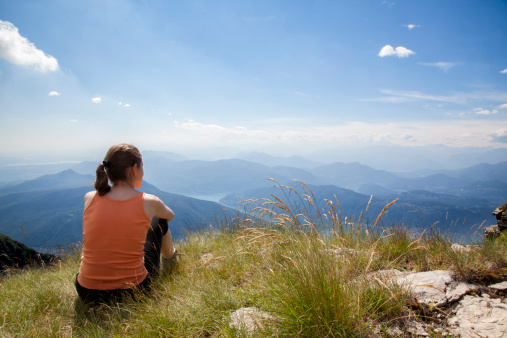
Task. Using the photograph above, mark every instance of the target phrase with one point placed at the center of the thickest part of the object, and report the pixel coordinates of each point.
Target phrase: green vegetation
(14, 254)
(312, 272)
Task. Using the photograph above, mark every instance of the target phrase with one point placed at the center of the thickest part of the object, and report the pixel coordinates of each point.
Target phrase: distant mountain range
(274, 161)
(54, 201)
(50, 217)
(228, 176)
(417, 209)
(64, 180)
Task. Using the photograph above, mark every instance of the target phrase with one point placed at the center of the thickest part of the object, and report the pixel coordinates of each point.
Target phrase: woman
(124, 231)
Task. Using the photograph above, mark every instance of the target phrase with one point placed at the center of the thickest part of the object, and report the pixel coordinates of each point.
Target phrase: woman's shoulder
(151, 198)
(88, 197)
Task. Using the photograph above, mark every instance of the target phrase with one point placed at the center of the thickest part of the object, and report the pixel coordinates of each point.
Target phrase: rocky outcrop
(476, 315)
(463, 309)
(479, 317)
(494, 231)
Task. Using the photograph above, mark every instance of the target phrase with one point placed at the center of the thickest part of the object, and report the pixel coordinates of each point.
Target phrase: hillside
(283, 277)
(14, 254)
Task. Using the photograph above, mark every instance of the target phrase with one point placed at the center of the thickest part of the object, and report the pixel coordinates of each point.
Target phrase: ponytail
(102, 183)
(115, 166)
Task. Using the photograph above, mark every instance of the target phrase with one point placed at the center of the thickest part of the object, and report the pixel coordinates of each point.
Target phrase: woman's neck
(122, 191)
(123, 185)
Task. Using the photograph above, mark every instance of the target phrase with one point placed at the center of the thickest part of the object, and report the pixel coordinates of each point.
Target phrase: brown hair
(114, 168)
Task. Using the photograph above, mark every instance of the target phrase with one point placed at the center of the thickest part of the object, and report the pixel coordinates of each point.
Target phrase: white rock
(206, 257)
(480, 317)
(428, 287)
(249, 320)
(456, 290)
(417, 329)
(499, 286)
(459, 248)
(385, 274)
(342, 251)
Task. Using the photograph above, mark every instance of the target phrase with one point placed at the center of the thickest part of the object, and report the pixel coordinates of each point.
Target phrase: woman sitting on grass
(124, 231)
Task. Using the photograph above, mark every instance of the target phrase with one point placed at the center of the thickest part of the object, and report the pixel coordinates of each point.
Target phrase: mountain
(148, 155)
(485, 171)
(14, 254)
(491, 190)
(222, 176)
(420, 209)
(62, 180)
(410, 158)
(54, 217)
(273, 161)
(17, 173)
(353, 175)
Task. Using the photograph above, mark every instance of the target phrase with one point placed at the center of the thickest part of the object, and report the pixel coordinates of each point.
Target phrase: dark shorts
(152, 248)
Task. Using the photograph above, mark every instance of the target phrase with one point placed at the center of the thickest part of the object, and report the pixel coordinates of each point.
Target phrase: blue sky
(286, 77)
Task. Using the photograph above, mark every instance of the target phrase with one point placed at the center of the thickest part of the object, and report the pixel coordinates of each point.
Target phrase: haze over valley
(49, 206)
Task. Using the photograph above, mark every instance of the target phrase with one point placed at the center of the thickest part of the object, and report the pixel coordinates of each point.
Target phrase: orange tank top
(114, 233)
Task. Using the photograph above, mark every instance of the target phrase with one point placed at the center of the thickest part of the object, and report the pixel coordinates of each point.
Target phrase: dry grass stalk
(382, 213)
(211, 260)
(403, 254)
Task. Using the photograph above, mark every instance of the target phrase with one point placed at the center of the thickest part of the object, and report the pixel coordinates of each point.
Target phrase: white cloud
(412, 26)
(480, 111)
(18, 50)
(503, 71)
(499, 135)
(444, 66)
(53, 93)
(388, 3)
(502, 106)
(397, 96)
(73, 121)
(400, 52)
(124, 104)
(96, 99)
(452, 132)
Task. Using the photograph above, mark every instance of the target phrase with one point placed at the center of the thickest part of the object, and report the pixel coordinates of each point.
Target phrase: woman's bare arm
(153, 206)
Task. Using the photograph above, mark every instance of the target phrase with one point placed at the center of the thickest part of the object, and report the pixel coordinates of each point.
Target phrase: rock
(479, 317)
(206, 257)
(417, 329)
(456, 290)
(385, 274)
(249, 320)
(492, 232)
(428, 287)
(459, 248)
(393, 331)
(499, 286)
(342, 251)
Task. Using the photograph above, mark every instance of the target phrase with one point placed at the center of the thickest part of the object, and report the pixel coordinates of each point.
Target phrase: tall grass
(313, 270)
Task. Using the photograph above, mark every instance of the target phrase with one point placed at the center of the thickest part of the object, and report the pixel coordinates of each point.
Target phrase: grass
(310, 270)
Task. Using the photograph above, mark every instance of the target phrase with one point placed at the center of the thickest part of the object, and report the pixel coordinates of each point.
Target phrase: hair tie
(106, 164)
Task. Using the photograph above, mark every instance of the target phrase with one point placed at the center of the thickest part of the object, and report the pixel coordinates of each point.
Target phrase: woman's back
(114, 233)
